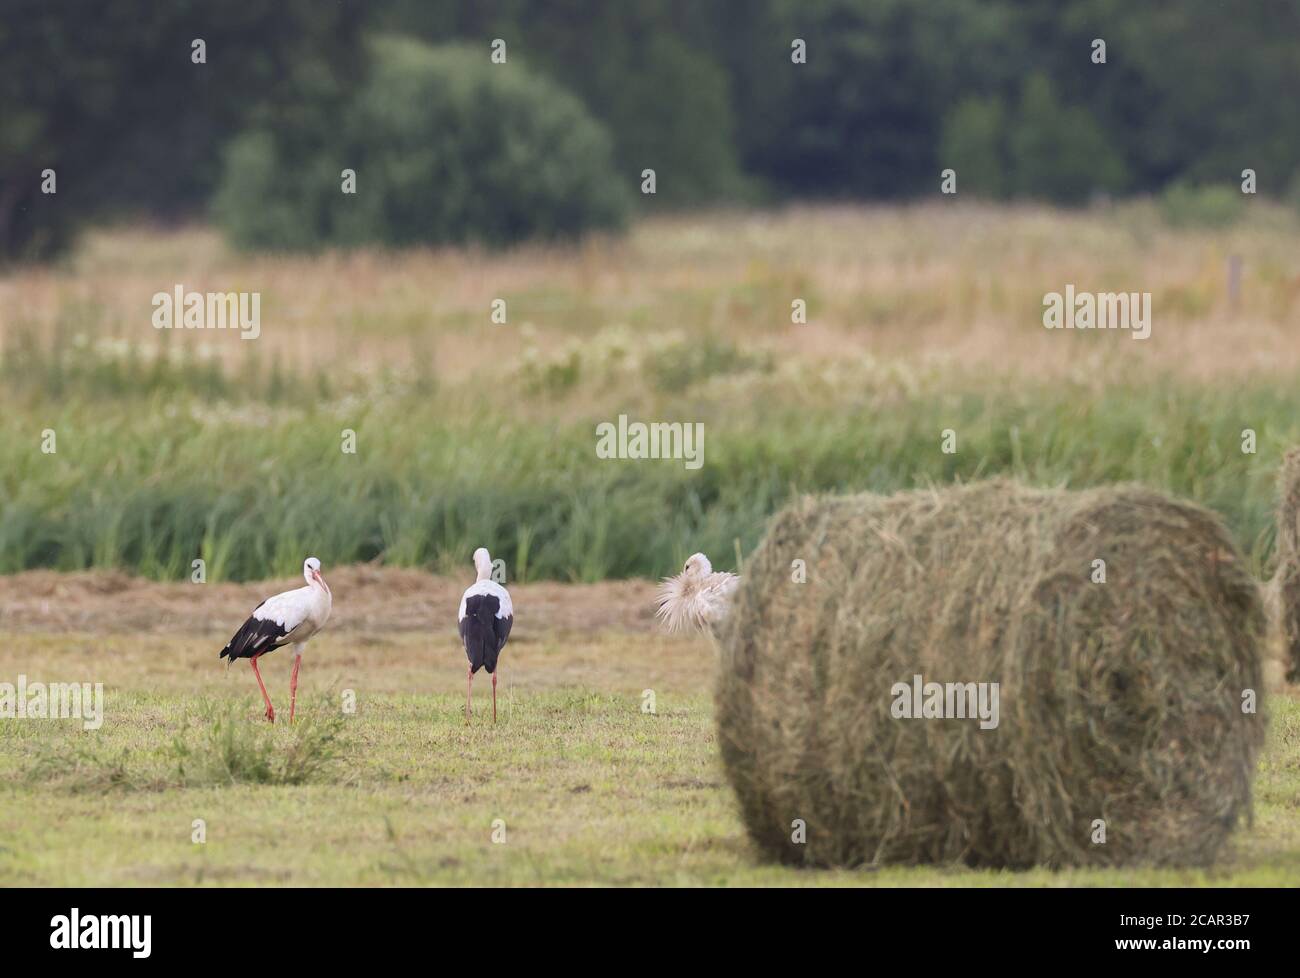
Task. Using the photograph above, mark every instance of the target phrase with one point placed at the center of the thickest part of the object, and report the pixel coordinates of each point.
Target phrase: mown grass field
(591, 789)
(173, 446)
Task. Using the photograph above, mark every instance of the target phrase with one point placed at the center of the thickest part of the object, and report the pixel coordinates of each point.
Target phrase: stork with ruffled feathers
(288, 618)
(698, 598)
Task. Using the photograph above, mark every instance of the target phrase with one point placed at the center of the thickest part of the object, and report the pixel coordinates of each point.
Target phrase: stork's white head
(483, 563)
(697, 565)
(311, 571)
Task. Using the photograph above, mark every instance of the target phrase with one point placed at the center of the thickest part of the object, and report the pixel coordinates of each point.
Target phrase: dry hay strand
(1120, 701)
(1284, 589)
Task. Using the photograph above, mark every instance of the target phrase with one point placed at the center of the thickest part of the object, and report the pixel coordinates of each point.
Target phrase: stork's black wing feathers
(255, 637)
(501, 628)
(482, 632)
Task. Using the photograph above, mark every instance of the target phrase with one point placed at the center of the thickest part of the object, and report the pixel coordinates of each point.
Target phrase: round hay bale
(1284, 589)
(1118, 701)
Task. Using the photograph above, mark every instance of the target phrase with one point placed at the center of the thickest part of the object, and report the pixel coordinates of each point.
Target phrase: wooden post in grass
(1234, 282)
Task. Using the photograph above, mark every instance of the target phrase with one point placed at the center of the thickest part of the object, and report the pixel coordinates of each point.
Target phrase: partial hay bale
(1284, 589)
(1119, 701)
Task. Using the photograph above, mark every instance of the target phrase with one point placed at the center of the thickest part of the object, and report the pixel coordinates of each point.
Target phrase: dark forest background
(1006, 92)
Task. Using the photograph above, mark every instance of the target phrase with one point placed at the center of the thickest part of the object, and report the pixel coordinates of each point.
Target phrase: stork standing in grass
(291, 617)
(699, 597)
(485, 617)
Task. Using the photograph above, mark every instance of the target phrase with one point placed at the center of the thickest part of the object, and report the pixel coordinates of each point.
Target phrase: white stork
(485, 617)
(698, 597)
(290, 617)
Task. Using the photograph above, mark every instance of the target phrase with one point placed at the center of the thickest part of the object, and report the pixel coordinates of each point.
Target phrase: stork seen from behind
(485, 617)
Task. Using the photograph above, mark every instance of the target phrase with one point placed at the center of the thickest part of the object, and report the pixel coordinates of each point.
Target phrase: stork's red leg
(293, 684)
(494, 697)
(469, 688)
(270, 710)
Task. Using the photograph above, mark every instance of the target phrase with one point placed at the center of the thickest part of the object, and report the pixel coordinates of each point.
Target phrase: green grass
(186, 445)
(590, 789)
(149, 477)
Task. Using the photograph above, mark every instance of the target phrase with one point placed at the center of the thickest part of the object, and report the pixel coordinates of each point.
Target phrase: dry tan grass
(938, 283)
(366, 599)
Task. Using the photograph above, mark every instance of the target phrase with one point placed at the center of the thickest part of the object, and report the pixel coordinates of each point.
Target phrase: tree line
(747, 101)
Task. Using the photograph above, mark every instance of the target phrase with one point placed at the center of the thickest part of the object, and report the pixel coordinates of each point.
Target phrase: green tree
(109, 97)
(863, 115)
(974, 144)
(1059, 152)
(646, 70)
(446, 147)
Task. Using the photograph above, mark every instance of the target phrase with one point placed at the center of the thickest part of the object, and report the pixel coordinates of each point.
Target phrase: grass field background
(591, 789)
(181, 444)
(173, 446)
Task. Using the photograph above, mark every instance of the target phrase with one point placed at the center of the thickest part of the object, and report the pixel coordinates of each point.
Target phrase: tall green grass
(149, 476)
(217, 745)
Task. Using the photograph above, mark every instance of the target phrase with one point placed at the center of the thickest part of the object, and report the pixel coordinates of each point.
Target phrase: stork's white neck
(483, 564)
